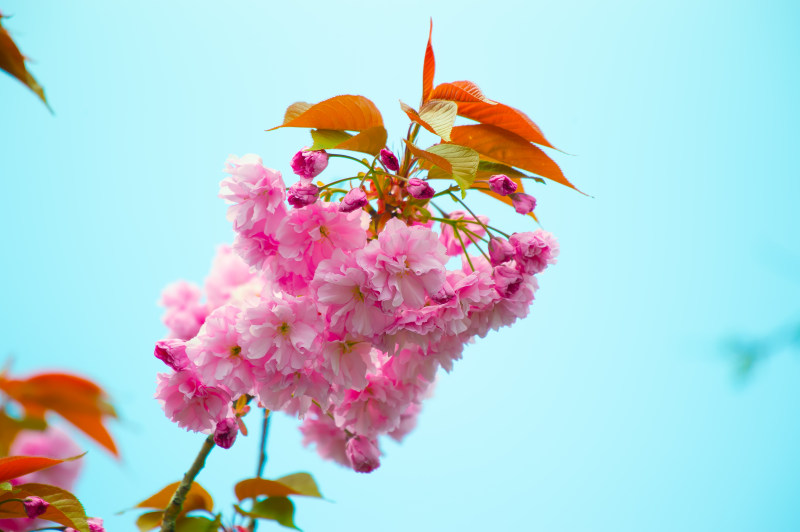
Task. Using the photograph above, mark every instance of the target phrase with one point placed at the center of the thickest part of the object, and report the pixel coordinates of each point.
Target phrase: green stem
(176, 503)
(463, 247)
(337, 182)
(348, 157)
(470, 211)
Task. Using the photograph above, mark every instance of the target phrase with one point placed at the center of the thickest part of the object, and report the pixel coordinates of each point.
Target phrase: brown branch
(176, 503)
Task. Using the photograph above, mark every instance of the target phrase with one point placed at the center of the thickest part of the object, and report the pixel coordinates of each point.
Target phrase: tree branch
(176, 503)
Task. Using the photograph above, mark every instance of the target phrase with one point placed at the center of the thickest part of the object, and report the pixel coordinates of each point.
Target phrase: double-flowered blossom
(335, 312)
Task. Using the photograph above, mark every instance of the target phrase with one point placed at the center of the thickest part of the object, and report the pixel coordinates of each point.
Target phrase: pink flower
(468, 229)
(347, 299)
(330, 440)
(172, 353)
(500, 251)
(256, 248)
(408, 421)
(354, 199)
(363, 454)
(309, 163)
(347, 363)
(191, 404)
(405, 264)
(52, 443)
(419, 189)
(256, 192)
(225, 433)
(507, 280)
(502, 184)
(184, 313)
(228, 271)
(523, 203)
(534, 251)
(302, 194)
(217, 352)
(374, 410)
(389, 160)
(35, 506)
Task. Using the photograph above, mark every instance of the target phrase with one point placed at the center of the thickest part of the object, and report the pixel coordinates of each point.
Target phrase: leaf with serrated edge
(295, 110)
(12, 467)
(414, 116)
(428, 68)
(279, 509)
(64, 509)
(370, 141)
(302, 483)
(432, 158)
(440, 115)
(460, 91)
(464, 163)
(327, 139)
(504, 117)
(346, 112)
(197, 499)
(508, 148)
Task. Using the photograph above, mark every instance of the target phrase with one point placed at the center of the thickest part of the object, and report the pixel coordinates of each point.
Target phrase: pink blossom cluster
(314, 313)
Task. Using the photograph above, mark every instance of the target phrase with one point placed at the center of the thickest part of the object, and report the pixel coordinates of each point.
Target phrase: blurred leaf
(505, 147)
(428, 68)
(196, 524)
(278, 509)
(346, 112)
(13, 62)
(78, 400)
(16, 466)
(437, 116)
(460, 91)
(6, 486)
(149, 521)
(326, 139)
(64, 508)
(296, 484)
(197, 499)
(10, 427)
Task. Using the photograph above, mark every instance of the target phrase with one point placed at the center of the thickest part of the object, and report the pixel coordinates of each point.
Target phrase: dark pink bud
(419, 189)
(35, 506)
(363, 454)
(225, 433)
(309, 163)
(523, 203)
(500, 251)
(353, 200)
(444, 294)
(389, 160)
(95, 525)
(172, 352)
(502, 184)
(302, 194)
(507, 280)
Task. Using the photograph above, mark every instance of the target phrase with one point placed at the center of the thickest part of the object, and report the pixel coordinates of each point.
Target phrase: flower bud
(353, 200)
(502, 184)
(523, 203)
(389, 160)
(302, 194)
(500, 251)
(309, 163)
(419, 189)
(507, 280)
(225, 433)
(172, 352)
(95, 525)
(363, 454)
(35, 506)
(444, 294)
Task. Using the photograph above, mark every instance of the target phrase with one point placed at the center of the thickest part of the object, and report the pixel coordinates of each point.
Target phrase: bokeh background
(615, 406)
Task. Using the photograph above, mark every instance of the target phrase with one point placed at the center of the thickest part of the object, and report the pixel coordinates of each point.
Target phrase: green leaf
(327, 139)
(196, 524)
(148, 521)
(64, 508)
(302, 483)
(6, 486)
(278, 509)
(295, 484)
(463, 160)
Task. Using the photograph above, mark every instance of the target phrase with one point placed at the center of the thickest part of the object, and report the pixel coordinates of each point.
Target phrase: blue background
(614, 406)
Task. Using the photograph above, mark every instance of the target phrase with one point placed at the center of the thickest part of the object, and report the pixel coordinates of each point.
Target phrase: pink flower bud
(500, 251)
(444, 294)
(353, 200)
(419, 189)
(225, 433)
(523, 203)
(389, 160)
(363, 454)
(172, 352)
(302, 194)
(35, 506)
(309, 163)
(507, 280)
(95, 525)
(502, 184)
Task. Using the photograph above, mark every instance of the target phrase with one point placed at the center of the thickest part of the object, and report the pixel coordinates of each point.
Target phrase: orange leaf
(346, 112)
(508, 148)
(460, 91)
(16, 466)
(369, 141)
(437, 116)
(428, 68)
(295, 484)
(78, 400)
(13, 62)
(504, 117)
(197, 499)
(64, 508)
(438, 160)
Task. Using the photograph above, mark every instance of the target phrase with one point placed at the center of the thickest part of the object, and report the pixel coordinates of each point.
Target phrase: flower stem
(176, 503)
(348, 157)
(262, 457)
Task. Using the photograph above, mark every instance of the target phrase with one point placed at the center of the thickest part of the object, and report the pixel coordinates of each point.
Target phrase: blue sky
(612, 407)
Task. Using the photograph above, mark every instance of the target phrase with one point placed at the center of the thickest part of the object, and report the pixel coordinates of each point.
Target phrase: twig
(176, 503)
